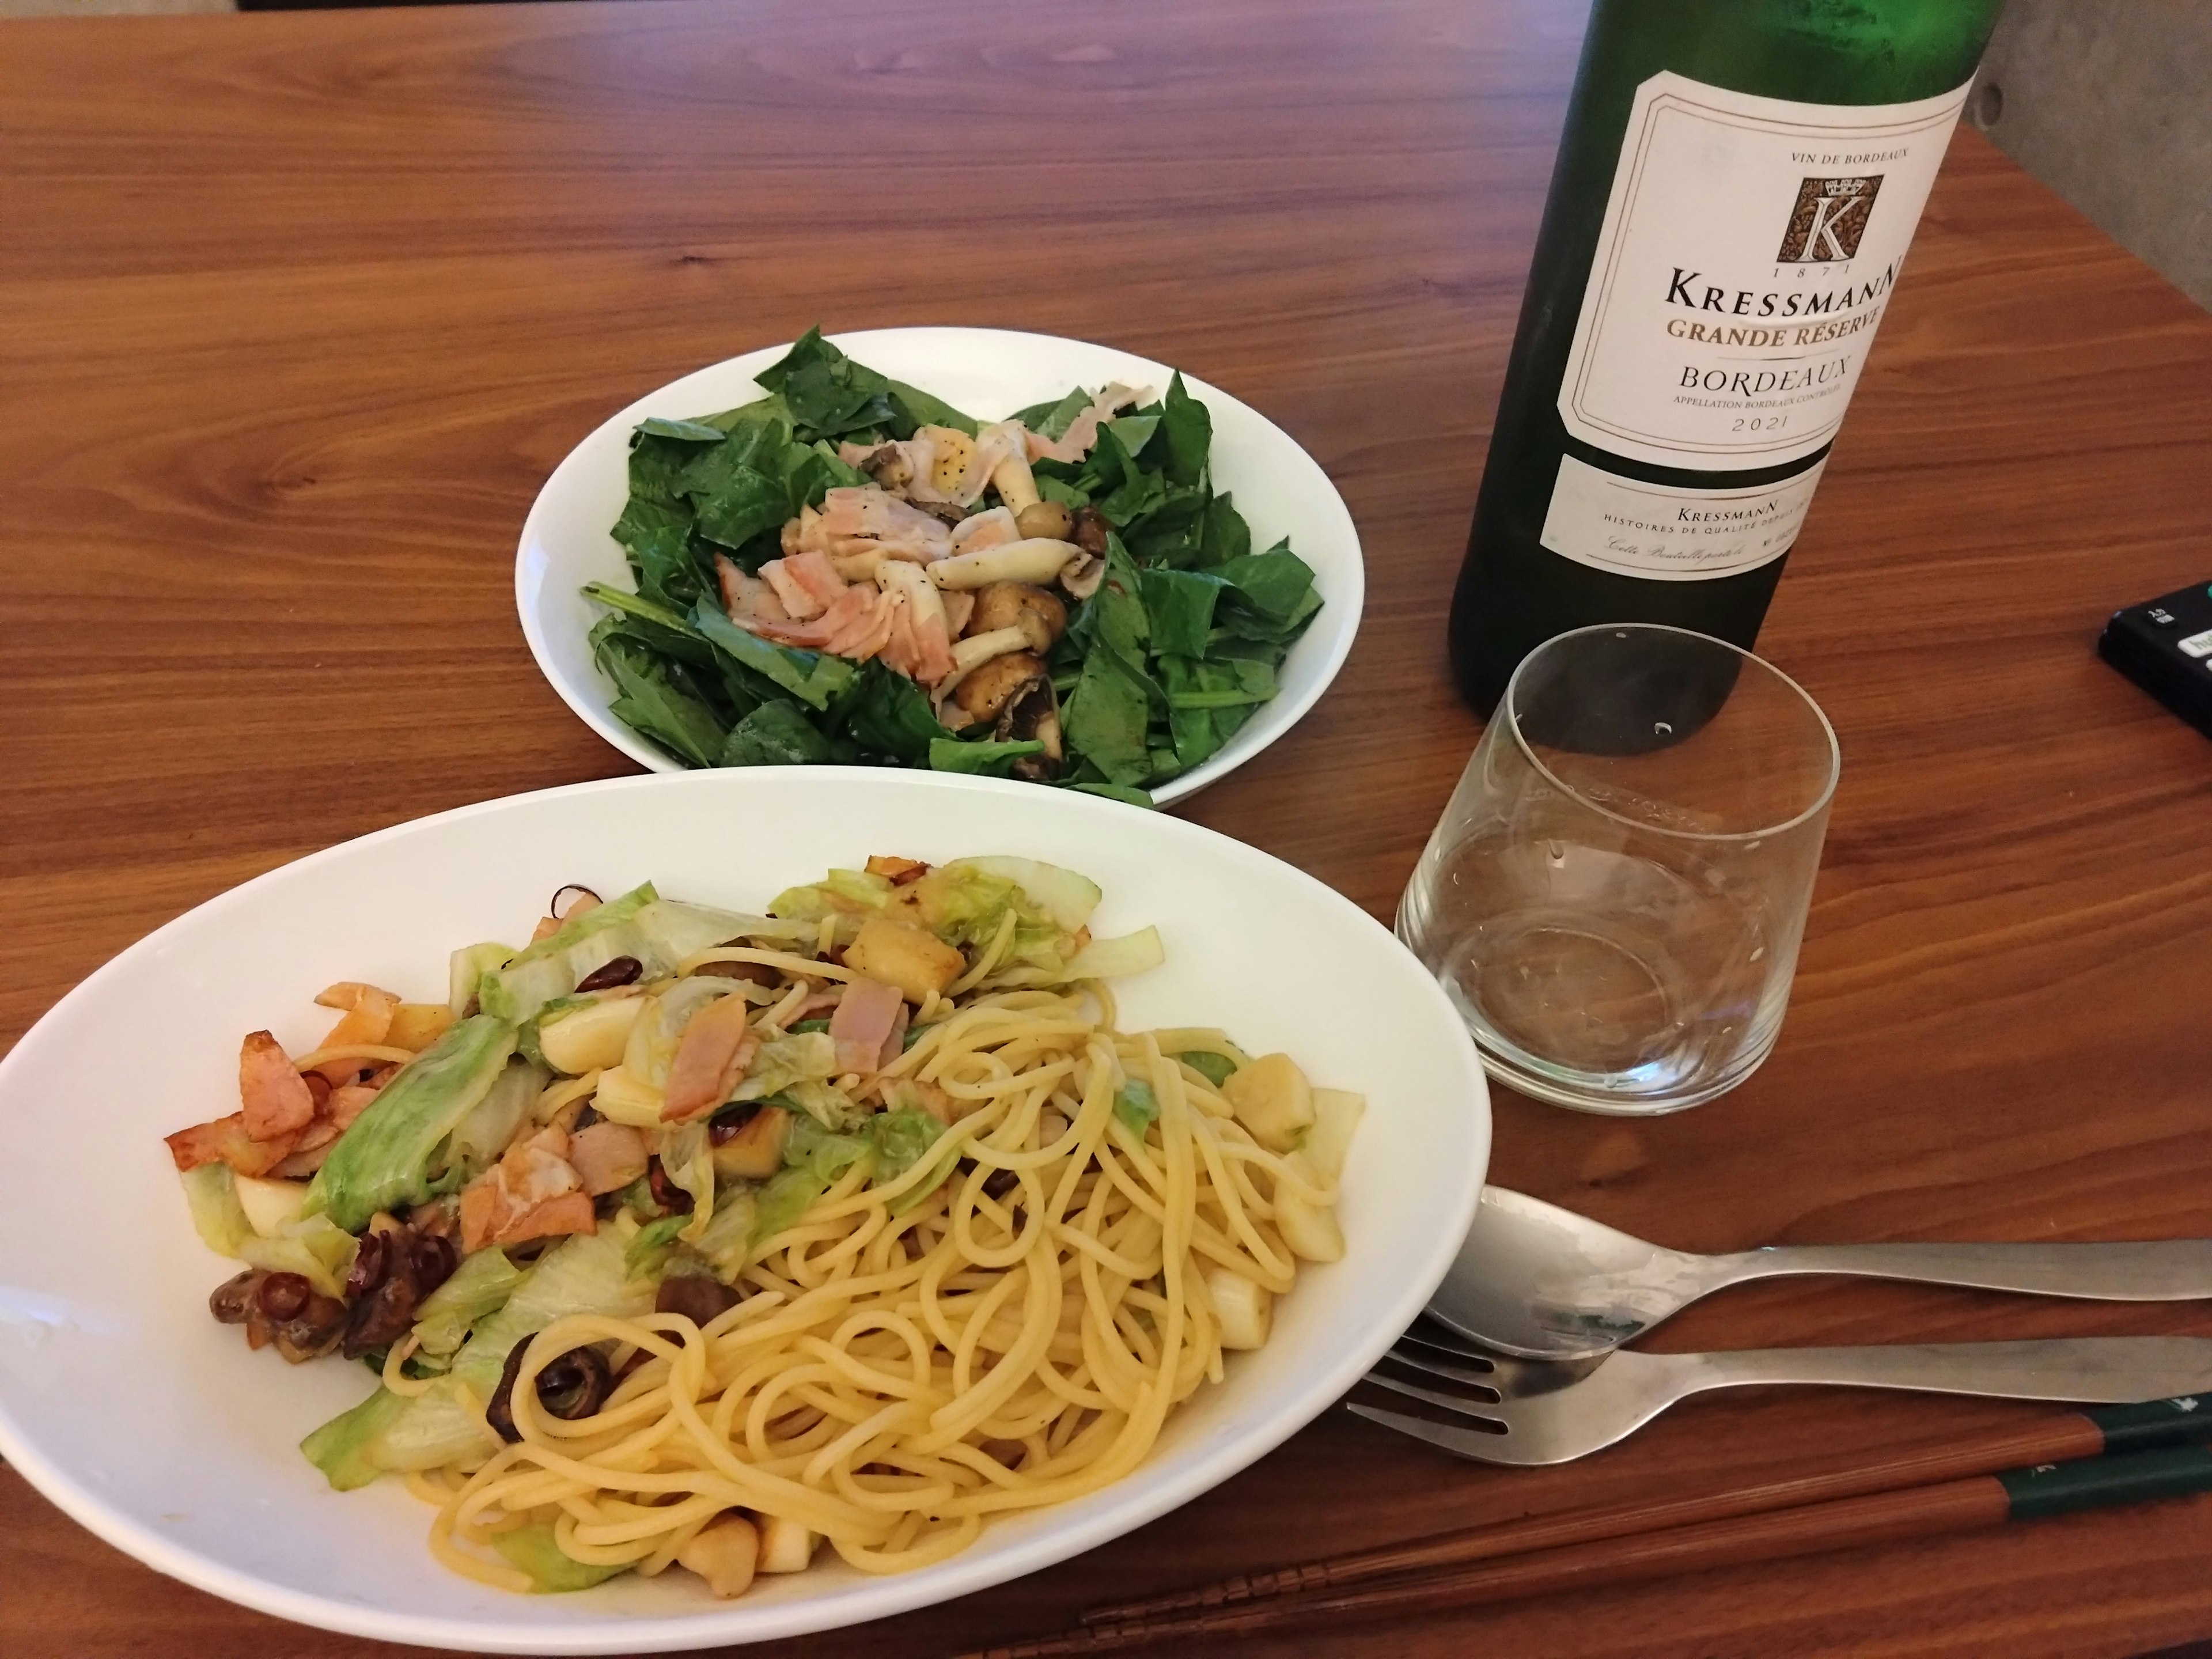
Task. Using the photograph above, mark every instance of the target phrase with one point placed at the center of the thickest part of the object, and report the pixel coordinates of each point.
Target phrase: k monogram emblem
(1830, 217)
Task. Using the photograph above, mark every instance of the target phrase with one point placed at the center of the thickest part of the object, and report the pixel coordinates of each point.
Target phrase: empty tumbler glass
(1615, 895)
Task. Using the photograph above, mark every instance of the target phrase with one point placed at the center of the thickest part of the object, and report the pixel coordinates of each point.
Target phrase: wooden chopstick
(2074, 1435)
(1948, 1507)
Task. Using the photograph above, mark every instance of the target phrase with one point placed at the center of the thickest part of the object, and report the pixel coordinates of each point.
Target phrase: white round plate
(122, 1401)
(989, 373)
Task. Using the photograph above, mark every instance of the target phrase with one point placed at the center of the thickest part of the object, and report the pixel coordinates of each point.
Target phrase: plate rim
(900, 1594)
(1352, 606)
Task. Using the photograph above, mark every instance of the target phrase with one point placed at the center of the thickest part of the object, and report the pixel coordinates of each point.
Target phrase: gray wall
(2110, 103)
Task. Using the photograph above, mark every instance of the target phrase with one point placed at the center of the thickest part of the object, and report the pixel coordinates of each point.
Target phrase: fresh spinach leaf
(1106, 718)
(815, 679)
(656, 700)
(1114, 792)
(1066, 495)
(657, 626)
(657, 537)
(744, 504)
(887, 714)
(1227, 537)
(775, 734)
(696, 432)
(1170, 533)
(1190, 430)
(916, 408)
(1051, 419)
(1179, 606)
(658, 456)
(827, 394)
(1275, 583)
(1133, 432)
(985, 760)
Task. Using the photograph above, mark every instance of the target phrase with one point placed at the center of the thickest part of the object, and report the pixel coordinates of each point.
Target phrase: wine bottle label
(1667, 532)
(1749, 248)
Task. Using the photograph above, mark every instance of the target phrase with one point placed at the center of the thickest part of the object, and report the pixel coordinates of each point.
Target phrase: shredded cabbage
(783, 1061)
(218, 1216)
(319, 1252)
(397, 1151)
(484, 1134)
(480, 1285)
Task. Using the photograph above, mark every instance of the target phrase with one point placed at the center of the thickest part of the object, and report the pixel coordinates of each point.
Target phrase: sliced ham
(533, 1192)
(805, 583)
(746, 598)
(983, 529)
(861, 519)
(1083, 431)
(921, 643)
(607, 1156)
(226, 1141)
(368, 1018)
(272, 1095)
(717, 1045)
(904, 467)
(959, 605)
(862, 1027)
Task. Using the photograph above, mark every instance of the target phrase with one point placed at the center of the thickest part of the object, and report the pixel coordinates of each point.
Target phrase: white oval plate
(122, 1401)
(988, 372)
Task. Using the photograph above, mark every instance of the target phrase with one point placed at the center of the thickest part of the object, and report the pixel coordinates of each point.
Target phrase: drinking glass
(1614, 897)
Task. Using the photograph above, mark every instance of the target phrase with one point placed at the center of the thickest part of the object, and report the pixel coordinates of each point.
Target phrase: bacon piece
(920, 644)
(571, 1212)
(861, 1027)
(274, 1100)
(1083, 431)
(225, 1140)
(717, 1045)
(861, 519)
(806, 582)
(746, 598)
(368, 1018)
(959, 606)
(533, 1192)
(607, 1156)
(991, 528)
(899, 870)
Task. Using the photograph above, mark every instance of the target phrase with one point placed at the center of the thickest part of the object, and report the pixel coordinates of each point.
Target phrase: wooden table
(298, 310)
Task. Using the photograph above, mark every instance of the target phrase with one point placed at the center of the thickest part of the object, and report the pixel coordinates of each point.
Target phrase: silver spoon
(1544, 1283)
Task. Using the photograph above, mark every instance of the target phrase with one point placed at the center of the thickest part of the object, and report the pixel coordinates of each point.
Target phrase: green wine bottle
(1735, 193)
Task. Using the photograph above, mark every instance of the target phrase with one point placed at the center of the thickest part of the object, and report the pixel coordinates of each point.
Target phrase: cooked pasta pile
(658, 1266)
(892, 1379)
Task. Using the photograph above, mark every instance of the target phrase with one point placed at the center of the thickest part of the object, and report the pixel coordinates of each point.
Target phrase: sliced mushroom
(1091, 530)
(1034, 714)
(986, 694)
(888, 466)
(1046, 519)
(1082, 578)
(1040, 617)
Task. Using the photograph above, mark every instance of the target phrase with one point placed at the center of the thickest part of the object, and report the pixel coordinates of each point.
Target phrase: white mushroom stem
(899, 577)
(1017, 483)
(1035, 559)
(971, 653)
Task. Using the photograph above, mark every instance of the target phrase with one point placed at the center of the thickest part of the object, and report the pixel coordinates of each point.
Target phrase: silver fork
(1535, 1411)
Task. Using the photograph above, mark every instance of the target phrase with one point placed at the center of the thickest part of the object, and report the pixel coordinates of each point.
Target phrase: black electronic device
(2164, 646)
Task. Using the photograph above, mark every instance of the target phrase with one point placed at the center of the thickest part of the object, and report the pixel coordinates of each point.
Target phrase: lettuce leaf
(532, 1547)
(396, 1152)
(480, 1286)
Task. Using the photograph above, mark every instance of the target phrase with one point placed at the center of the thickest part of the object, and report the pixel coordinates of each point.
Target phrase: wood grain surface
(297, 311)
